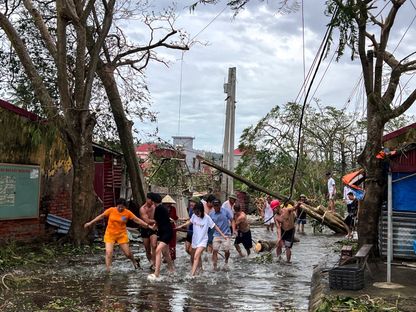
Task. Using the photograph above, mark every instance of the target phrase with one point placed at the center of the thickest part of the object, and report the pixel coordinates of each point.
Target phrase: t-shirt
(222, 220)
(200, 227)
(345, 196)
(117, 220)
(162, 220)
(227, 205)
(331, 186)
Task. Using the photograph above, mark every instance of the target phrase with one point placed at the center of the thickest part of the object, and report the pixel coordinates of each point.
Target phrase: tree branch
(94, 53)
(152, 46)
(384, 38)
(37, 82)
(61, 62)
(46, 36)
(361, 19)
(405, 106)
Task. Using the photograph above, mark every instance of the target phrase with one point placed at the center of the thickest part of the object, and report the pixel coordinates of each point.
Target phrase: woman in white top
(201, 223)
(268, 214)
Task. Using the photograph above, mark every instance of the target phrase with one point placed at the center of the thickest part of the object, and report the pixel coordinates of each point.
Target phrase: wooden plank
(364, 251)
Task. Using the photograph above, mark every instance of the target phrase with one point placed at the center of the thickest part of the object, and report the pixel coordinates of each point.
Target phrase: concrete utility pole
(227, 186)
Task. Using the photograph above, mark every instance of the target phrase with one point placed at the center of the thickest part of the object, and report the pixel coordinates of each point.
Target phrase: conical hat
(168, 200)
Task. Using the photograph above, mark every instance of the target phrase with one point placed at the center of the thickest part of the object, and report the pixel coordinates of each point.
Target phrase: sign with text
(19, 191)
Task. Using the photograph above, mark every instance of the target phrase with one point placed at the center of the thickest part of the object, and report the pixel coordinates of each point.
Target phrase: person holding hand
(116, 231)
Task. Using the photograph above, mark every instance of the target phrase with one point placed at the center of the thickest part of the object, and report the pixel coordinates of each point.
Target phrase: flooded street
(248, 284)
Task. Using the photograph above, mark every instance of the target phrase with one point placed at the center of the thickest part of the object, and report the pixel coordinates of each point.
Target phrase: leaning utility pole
(227, 186)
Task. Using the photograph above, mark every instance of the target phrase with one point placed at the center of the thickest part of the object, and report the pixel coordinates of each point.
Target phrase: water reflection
(246, 285)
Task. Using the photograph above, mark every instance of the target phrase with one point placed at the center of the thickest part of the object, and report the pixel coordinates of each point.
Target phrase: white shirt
(201, 226)
(345, 197)
(331, 186)
(226, 205)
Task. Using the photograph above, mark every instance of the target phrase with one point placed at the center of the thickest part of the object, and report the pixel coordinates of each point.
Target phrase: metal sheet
(404, 233)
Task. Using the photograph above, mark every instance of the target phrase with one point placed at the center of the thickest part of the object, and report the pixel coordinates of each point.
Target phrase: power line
(324, 44)
(303, 44)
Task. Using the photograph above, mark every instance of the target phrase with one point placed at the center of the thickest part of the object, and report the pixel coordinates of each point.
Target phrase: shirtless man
(242, 228)
(285, 221)
(147, 212)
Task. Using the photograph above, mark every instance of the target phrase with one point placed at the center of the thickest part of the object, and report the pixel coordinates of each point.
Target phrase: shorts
(269, 220)
(121, 238)
(301, 221)
(210, 236)
(244, 238)
(202, 243)
(189, 237)
(165, 237)
(146, 233)
(288, 237)
(221, 241)
(349, 220)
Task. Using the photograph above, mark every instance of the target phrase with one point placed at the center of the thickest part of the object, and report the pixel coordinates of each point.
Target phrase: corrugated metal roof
(404, 233)
(19, 111)
(398, 132)
(405, 162)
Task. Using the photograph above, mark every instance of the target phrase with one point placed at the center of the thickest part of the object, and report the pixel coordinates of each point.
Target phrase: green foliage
(15, 254)
(346, 242)
(332, 140)
(344, 19)
(360, 304)
(168, 173)
(266, 257)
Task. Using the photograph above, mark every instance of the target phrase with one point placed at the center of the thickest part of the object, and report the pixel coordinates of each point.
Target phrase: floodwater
(248, 284)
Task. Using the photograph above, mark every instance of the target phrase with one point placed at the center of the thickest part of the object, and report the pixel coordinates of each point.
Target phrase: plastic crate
(346, 277)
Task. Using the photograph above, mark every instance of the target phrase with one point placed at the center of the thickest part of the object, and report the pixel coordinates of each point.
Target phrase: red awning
(354, 179)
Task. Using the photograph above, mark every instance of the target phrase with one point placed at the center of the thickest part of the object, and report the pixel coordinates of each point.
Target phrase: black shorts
(349, 220)
(189, 237)
(211, 236)
(288, 237)
(244, 238)
(146, 233)
(165, 237)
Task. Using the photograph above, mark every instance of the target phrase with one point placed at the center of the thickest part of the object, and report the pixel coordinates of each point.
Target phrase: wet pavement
(247, 284)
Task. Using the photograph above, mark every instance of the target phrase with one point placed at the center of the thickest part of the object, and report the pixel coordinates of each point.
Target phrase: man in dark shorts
(301, 214)
(165, 233)
(242, 228)
(352, 209)
(149, 236)
(285, 221)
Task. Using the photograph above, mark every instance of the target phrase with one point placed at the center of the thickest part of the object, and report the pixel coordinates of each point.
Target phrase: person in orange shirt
(116, 231)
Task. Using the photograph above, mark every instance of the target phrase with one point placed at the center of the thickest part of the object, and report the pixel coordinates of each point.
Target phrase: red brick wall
(56, 199)
(59, 204)
(22, 230)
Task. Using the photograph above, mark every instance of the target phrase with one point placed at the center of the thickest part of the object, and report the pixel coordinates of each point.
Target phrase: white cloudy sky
(266, 48)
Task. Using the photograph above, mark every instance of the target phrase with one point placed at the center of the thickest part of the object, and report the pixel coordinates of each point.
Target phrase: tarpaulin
(404, 194)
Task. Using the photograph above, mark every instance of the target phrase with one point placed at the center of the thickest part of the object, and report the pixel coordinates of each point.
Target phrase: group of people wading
(211, 225)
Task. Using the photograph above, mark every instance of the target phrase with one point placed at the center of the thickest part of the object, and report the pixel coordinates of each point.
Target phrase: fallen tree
(332, 220)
